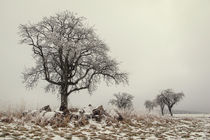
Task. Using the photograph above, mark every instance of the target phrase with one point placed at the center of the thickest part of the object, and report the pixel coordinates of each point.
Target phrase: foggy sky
(160, 43)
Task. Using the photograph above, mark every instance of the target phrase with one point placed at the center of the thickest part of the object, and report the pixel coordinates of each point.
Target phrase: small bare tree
(149, 105)
(170, 98)
(69, 56)
(122, 101)
(159, 101)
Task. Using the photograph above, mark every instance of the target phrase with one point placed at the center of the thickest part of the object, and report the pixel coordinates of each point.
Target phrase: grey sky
(161, 44)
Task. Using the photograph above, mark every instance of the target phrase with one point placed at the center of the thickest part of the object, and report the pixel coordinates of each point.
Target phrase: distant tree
(122, 101)
(149, 105)
(159, 102)
(170, 98)
(69, 56)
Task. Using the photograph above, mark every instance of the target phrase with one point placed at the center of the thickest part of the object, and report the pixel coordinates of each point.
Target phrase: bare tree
(150, 105)
(170, 98)
(122, 101)
(69, 56)
(159, 101)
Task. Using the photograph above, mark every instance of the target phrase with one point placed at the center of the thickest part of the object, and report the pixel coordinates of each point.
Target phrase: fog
(161, 44)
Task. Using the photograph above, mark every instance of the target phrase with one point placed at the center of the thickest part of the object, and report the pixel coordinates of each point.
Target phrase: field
(41, 126)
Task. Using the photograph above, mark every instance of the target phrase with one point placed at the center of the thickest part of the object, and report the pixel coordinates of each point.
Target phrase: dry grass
(133, 126)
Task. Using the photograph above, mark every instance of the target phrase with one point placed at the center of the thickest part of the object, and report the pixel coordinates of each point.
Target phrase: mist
(161, 44)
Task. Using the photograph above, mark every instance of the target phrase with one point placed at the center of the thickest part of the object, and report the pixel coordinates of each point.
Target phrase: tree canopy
(122, 100)
(68, 54)
(149, 105)
(170, 98)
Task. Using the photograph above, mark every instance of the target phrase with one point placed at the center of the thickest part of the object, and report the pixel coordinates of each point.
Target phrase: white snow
(188, 126)
(49, 115)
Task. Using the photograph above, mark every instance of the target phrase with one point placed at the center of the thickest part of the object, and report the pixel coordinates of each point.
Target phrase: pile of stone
(79, 117)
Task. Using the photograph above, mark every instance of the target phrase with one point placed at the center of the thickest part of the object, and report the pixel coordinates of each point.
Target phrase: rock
(74, 116)
(73, 109)
(24, 113)
(98, 118)
(58, 115)
(46, 108)
(59, 120)
(7, 119)
(88, 110)
(87, 116)
(99, 111)
(81, 112)
(66, 112)
(83, 121)
(34, 112)
(49, 115)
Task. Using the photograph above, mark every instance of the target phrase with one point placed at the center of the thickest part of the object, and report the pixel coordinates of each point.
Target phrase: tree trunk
(64, 102)
(169, 108)
(64, 99)
(162, 112)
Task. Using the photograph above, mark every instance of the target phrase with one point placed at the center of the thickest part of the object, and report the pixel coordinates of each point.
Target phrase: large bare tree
(69, 56)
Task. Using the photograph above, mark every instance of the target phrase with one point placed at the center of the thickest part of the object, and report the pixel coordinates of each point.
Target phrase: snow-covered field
(181, 126)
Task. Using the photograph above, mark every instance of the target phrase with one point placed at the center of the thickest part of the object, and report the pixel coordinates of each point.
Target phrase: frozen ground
(183, 126)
